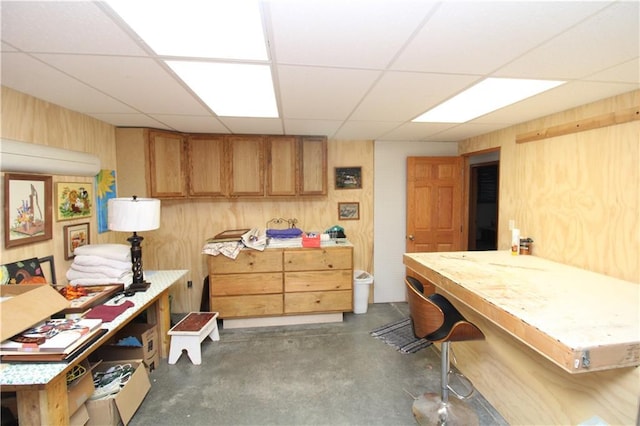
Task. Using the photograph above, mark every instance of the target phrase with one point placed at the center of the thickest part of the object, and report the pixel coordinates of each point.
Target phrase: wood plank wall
(577, 196)
(25, 118)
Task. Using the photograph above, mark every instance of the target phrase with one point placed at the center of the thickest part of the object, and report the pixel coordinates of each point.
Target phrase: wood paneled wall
(25, 118)
(577, 196)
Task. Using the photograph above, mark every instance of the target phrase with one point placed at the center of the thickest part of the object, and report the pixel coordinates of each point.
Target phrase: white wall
(390, 182)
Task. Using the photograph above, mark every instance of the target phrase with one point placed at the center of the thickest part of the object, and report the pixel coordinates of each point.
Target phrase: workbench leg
(48, 406)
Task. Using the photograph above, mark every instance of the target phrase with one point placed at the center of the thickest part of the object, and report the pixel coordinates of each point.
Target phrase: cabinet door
(206, 159)
(167, 175)
(313, 165)
(246, 158)
(281, 165)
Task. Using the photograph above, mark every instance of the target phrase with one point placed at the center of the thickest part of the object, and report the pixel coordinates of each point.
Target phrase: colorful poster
(105, 189)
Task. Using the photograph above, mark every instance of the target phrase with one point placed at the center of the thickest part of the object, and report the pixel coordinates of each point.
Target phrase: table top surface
(38, 373)
(578, 308)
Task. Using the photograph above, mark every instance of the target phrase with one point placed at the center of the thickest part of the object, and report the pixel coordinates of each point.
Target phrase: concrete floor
(322, 374)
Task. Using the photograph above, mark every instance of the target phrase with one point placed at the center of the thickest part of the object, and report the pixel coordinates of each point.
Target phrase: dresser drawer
(318, 280)
(318, 301)
(238, 284)
(318, 259)
(248, 261)
(247, 306)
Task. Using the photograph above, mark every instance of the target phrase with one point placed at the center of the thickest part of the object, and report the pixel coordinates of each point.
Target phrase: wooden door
(247, 165)
(281, 165)
(434, 204)
(313, 165)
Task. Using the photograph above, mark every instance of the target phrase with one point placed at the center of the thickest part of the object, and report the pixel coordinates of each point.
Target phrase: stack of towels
(100, 264)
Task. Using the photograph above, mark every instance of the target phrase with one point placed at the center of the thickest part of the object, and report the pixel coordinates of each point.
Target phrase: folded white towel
(102, 281)
(90, 260)
(121, 252)
(106, 270)
(73, 274)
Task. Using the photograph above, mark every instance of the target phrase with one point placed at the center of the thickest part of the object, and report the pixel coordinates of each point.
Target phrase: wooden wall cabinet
(167, 165)
(235, 166)
(278, 282)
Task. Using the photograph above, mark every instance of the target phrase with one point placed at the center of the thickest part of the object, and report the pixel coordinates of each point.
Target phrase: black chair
(434, 318)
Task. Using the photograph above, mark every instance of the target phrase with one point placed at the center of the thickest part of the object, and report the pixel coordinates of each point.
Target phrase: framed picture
(348, 177)
(48, 266)
(73, 200)
(27, 209)
(75, 236)
(105, 185)
(348, 211)
(27, 271)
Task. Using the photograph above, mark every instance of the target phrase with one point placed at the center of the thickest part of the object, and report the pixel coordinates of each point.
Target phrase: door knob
(411, 237)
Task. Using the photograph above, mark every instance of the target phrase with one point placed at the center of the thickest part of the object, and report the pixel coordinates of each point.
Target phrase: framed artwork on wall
(348, 177)
(75, 236)
(73, 200)
(348, 211)
(27, 209)
(105, 184)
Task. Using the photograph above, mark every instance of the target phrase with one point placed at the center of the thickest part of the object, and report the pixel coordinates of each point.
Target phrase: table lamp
(134, 215)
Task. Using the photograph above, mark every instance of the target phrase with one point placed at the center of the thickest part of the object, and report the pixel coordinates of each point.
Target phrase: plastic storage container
(361, 282)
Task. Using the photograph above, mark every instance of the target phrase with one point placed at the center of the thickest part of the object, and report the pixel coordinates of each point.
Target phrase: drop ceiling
(346, 69)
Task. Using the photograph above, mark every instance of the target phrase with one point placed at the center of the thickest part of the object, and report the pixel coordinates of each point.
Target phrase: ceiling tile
(131, 120)
(354, 130)
(402, 96)
(44, 26)
(28, 75)
(192, 123)
(478, 37)
(271, 126)
(338, 33)
(322, 93)
(134, 81)
(310, 127)
(581, 51)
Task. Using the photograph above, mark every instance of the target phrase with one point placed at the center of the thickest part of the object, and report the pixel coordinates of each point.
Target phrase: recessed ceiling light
(230, 29)
(489, 95)
(230, 89)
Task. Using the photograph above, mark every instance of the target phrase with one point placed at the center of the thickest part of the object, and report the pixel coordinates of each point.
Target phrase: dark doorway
(483, 204)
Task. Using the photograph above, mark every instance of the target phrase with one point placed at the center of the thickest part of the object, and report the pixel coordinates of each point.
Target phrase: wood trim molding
(590, 123)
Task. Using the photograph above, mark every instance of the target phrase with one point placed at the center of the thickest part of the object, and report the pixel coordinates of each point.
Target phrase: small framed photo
(348, 211)
(348, 177)
(27, 209)
(75, 236)
(73, 200)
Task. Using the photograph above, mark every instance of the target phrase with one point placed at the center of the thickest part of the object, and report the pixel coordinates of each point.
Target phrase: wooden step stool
(190, 332)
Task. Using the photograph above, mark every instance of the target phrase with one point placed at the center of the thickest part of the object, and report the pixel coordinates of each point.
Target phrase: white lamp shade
(133, 215)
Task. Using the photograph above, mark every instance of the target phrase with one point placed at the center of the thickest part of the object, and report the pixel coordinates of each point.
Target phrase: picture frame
(48, 266)
(75, 236)
(73, 200)
(348, 177)
(349, 211)
(27, 209)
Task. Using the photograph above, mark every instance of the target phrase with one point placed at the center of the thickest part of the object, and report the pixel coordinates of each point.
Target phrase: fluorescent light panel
(210, 29)
(489, 95)
(230, 89)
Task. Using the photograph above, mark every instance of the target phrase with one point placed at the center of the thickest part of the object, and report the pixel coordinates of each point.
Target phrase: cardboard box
(26, 305)
(121, 406)
(80, 417)
(147, 334)
(80, 390)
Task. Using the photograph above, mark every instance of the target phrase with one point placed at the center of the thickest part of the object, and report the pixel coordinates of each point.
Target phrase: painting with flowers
(27, 209)
(74, 200)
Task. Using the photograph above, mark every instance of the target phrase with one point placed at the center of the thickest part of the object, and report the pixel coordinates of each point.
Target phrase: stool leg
(444, 372)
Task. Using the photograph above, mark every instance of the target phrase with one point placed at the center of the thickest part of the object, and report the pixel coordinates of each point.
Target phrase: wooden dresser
(282, 282)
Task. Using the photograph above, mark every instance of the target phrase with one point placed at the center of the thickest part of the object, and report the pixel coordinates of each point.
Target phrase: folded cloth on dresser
(229, 249)
(121, 252)
(284, 233)
(255, 239)
(90, 260)
(98, 269)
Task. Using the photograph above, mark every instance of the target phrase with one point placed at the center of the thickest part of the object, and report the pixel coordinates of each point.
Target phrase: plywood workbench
(563, 343)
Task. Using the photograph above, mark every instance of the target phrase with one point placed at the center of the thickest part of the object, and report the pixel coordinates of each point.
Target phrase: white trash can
(361, 282)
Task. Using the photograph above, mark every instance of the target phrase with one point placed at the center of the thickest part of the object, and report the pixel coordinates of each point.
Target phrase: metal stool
(434, 318)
